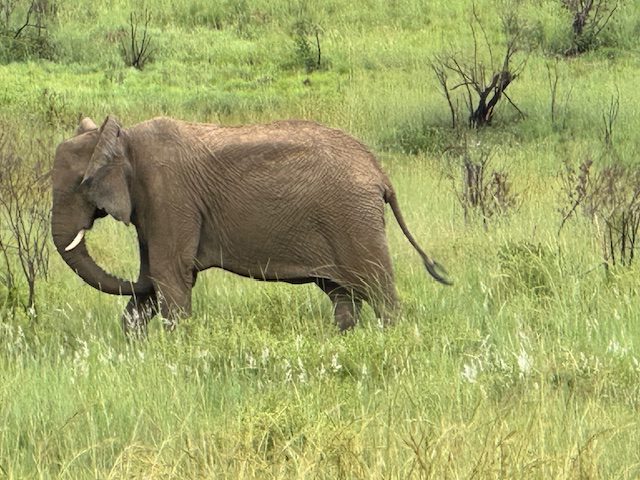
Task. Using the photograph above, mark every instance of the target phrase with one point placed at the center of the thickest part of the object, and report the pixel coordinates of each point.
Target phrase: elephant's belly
(267, 271)
(291, 266)
(296, 250)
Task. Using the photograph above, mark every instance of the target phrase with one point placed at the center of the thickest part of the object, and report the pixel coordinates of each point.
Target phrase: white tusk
(76, 241)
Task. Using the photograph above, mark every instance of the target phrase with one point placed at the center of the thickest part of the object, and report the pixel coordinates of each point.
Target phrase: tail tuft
(436, 270)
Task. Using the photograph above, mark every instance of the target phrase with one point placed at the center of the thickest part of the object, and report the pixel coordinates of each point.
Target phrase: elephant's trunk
(65, 230)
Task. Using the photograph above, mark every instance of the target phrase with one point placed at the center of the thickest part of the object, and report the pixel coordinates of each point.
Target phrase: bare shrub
(610, 198)
(24, 29)
(24, 222)
(136, 50)
(590, 17)
(484, 83)
(480, 188)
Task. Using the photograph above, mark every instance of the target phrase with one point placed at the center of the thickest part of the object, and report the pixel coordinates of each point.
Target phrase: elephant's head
(91, 178)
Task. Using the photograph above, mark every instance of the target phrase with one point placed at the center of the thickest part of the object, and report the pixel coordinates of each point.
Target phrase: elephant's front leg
(173, 277)
(174, 298)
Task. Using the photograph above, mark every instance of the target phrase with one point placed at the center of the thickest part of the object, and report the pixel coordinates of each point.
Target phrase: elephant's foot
(173, 308)
(385, 316)
(136, 316)
(386, 310)
(346, 305)
(345, 311)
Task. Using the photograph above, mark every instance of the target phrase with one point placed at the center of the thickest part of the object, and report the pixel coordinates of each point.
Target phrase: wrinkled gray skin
(291, 201)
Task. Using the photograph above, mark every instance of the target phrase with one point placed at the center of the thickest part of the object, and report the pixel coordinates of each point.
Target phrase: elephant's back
(276, 156)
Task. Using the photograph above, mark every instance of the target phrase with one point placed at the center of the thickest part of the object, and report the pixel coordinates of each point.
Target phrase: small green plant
(417, 134)
(55, 111)
(308, 52)
(524, 266)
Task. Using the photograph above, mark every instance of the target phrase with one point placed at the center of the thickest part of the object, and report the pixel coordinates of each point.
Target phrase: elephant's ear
(85, 125)
(108, 174)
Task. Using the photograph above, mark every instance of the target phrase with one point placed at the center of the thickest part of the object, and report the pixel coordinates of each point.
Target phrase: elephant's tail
(436, 270)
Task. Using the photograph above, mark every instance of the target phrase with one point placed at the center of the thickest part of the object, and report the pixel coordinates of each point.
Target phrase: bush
(525, 268)
(25, 217)
(418, 135)
(24, 33)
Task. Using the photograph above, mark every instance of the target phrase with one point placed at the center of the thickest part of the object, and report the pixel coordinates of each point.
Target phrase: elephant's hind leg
(376, 281)
(383, 298)
(346, 304)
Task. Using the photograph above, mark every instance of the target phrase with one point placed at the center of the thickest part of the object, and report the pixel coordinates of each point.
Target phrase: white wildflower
(616, 349)
(20, 338)
(335, 364)
(302, 373)
(80, 359)
(470, 373)
(416, 332)
(525, 363)
(288, 374)
(202, 354)
(265, 355)
(106, 357)
(251, 362)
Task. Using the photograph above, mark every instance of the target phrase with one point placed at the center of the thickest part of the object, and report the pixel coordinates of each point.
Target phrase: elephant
(291, 201)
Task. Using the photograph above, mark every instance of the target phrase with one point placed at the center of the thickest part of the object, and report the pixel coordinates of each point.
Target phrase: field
(527, 367)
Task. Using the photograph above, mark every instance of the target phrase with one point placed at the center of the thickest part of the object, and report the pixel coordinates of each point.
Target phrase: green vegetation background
(528, 367)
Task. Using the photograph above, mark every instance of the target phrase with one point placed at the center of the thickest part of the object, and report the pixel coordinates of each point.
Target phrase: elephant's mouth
(99, 213)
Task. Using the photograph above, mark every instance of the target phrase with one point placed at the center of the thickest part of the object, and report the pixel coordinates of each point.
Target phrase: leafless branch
(441, 75)
(609, 119)
(139, 51)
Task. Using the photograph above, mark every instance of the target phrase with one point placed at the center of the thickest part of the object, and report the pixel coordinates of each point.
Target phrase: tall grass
(528, 367)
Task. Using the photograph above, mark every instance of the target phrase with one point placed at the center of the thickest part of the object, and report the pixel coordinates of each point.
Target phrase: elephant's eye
(81, 186)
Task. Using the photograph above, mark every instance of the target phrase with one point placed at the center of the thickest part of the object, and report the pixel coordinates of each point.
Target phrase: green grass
(527, 367)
